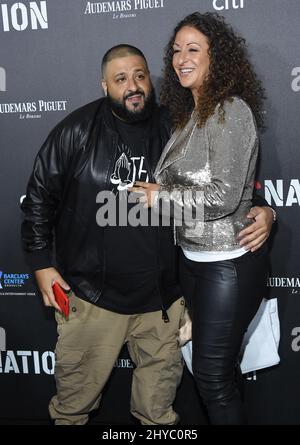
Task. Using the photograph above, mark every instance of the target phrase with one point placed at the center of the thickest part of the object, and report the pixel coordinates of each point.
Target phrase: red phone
(61, 299)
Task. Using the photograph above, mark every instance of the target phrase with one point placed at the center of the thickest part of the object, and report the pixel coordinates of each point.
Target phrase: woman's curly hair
(230, 74)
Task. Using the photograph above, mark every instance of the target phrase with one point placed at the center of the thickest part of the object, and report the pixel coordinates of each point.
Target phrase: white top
(205, 256)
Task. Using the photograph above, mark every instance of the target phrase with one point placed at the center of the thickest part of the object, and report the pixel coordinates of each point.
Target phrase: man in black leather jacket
(122, 280)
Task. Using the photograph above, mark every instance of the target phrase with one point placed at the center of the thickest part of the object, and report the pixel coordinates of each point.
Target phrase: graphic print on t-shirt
(128, 169)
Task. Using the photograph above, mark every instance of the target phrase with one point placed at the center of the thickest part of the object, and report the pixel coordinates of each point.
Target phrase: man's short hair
(121, 50)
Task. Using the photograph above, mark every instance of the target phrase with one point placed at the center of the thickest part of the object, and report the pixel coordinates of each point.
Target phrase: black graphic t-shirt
(131, 284)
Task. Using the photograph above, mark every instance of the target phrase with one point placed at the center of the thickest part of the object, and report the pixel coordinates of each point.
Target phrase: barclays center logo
(124, 8)
(13, 280)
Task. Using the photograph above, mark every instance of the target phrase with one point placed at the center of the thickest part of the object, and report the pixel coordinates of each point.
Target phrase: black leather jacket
(73, 165)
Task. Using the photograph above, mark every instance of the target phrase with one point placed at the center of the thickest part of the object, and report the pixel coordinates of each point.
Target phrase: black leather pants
(223, 297)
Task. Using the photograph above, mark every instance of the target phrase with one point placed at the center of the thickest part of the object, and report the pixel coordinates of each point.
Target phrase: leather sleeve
(43, 195)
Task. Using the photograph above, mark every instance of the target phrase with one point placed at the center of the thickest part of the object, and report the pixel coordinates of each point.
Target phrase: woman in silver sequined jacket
(222, 172)
(205, 178)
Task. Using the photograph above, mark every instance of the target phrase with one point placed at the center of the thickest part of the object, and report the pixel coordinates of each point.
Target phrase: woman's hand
(254, 236)
(147, 191)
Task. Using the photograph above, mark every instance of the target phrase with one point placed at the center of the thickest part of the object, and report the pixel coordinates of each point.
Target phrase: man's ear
(104, 86)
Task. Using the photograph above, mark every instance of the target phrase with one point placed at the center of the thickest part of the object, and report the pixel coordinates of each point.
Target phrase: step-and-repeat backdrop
(50, 53)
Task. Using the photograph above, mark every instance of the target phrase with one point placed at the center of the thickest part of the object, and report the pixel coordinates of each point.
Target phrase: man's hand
(45, 279)
(254, 236)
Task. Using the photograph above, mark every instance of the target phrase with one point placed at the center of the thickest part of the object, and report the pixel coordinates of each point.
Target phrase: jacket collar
(176, 147)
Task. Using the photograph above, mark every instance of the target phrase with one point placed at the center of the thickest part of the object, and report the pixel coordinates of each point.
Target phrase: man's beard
(131, 116)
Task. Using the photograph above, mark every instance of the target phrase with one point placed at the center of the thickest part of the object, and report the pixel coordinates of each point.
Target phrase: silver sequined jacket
(211, 169)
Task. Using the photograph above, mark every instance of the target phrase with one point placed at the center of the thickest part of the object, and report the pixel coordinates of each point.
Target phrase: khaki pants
(88, 346)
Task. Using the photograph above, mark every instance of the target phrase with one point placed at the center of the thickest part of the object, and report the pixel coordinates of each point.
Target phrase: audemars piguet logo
(33, 109)
(123, 9)
(21, 16)
(123, 363)
(292, 283)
